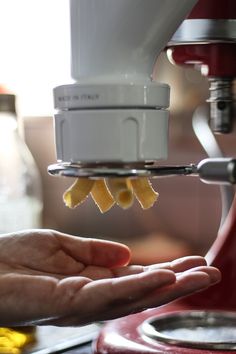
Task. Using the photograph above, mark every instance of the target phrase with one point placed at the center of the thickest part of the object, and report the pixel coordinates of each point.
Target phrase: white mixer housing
(114, 112)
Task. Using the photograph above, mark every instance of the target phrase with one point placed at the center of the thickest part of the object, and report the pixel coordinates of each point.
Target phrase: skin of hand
(47, 277)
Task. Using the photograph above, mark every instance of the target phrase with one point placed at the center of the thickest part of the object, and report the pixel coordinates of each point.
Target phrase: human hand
(51, 278)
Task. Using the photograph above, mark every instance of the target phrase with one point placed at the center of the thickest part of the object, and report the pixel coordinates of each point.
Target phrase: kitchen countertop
(64, 340)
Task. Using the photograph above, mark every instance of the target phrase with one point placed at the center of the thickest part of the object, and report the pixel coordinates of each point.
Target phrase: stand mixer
(113, 122)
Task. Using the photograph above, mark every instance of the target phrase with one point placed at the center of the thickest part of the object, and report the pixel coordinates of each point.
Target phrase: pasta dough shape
(122, 191)
(101, 196)
(144, 192)
(78, 192)
(105, 194)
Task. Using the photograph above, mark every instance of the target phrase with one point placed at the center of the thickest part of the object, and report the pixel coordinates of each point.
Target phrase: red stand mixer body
(123, 336)
(206, 41)
(216, 59)
(218, 55)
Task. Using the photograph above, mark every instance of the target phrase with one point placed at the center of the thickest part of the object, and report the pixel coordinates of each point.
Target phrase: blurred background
(34, 59)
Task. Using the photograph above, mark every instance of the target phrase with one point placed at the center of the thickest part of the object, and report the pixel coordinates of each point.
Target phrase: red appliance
(124, 336)
(206, 41)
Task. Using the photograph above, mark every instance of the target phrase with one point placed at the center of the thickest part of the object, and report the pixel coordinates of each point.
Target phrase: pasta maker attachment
(114, 113)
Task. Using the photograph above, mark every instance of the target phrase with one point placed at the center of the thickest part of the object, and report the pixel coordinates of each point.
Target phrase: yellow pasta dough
(101, 196)
(122, 191)
(13, 340)
(78, 192)
(144, 192)
(115, 190)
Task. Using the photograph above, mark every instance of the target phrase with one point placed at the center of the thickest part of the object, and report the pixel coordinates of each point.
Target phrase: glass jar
(20, 201)
(20, 185)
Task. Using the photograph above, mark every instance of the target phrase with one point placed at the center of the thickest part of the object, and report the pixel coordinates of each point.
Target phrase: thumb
(95, 252)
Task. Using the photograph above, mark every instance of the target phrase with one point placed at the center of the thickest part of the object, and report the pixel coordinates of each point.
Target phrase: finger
(97, 300)
(213, 273)
(153, 292)
(181, 264)
(129, 270)
(186, 284)
(125, 289)
(95, 252)
(177, 266)
(96, 273)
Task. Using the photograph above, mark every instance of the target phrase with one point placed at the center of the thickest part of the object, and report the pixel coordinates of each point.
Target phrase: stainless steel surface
(205, 31)
(217, 171)
(205, 136)
(221, 105)
(193, 329)
(84, 171)
(212, 148)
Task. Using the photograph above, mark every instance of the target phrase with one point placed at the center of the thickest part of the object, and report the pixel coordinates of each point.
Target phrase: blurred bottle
(20, 185)
(20, 200)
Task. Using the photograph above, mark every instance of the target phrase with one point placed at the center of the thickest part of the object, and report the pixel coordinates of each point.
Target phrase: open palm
(51, 278)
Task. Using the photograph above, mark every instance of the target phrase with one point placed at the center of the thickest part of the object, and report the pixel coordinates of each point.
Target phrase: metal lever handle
(217, 170)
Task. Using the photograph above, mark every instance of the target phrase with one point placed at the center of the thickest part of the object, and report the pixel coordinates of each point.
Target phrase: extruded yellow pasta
(144, 192)
(115, 190)
(78, 192)
(122, 191)
(101, 196)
